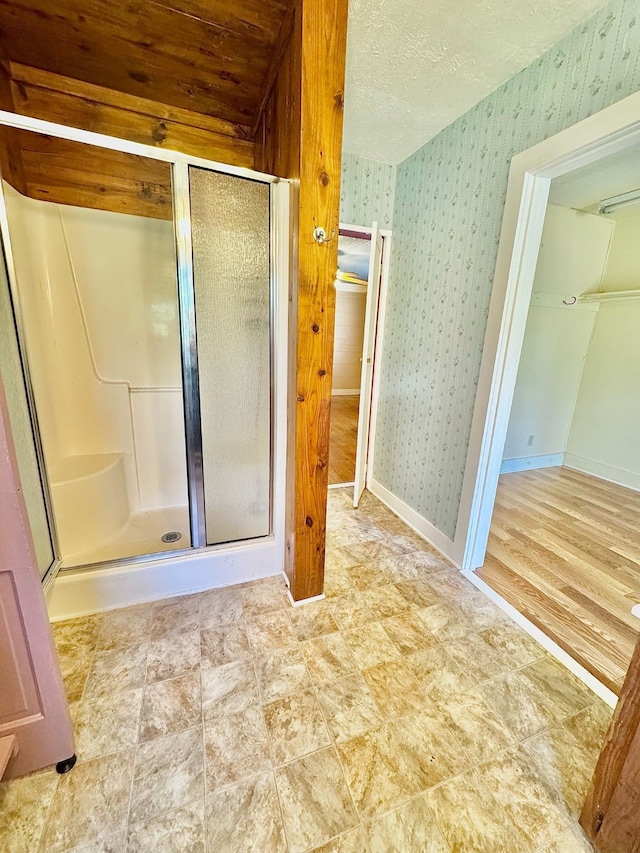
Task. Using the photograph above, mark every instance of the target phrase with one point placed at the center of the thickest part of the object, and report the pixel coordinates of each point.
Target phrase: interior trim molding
(603, 471)
(415, 521)
(530, 463)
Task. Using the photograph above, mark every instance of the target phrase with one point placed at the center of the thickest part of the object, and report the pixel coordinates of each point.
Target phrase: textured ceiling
(413, 66)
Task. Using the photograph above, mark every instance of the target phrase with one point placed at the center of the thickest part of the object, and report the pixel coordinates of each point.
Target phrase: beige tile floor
(403, 714)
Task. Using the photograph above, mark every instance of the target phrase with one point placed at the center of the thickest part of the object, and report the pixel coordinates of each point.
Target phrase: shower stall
(144, 352)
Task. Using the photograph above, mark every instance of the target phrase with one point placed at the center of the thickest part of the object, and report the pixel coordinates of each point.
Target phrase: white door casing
(366, 374)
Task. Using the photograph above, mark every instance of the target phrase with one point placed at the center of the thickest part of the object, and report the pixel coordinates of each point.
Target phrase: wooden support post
(299, 136)
(611, 814)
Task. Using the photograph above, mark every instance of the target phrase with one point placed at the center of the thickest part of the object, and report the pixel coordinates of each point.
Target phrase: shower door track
(279, 252)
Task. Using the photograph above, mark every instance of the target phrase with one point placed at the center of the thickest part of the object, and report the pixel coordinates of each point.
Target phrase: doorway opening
(556, 496)
(361, 281)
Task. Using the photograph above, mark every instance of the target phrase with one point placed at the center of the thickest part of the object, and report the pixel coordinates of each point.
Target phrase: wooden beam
(11, 167)
(300, 137)
(611, 814)
(52, 97)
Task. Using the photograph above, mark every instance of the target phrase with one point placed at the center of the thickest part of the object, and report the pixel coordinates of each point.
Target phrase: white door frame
(608, 132)
(386, 235)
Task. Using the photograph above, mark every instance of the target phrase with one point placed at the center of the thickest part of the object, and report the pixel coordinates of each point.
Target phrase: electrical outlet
(530, 440)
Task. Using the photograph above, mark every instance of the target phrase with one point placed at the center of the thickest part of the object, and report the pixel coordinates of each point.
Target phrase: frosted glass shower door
(230, 222)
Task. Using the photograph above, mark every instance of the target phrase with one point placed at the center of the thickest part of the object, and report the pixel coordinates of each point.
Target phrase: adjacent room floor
(564, 549)
(403, 713)
(343, 439)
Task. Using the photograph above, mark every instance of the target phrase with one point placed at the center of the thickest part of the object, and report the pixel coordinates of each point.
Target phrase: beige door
(35, 726)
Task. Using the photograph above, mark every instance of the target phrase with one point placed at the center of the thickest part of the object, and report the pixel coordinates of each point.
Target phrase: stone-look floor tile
(270, 631)
(236, 747)
(408, 632)
(116, 671)
(75, 671)
(228, 689)
(513, 645)
(315, 800)
(349, 707)
(224, 644)
(573, 841)
(351, 842)
(428, 747)
(519, 708)
(90, 803)
(337, 583)
(471, 820)
(220, 606)
(419, 593)
(481, 613)
(395, 688)
(106, 724)
(410, 827)
(24, 804)
(445, 622)
(450, 584)
(175, 616)
(351, 611)
(115, 843)
(172, 656)
(386, 600)
(263, 598)
(296, 726)
(377, 772)
(312, 620)
(129, 626)
(366, 575)
(476, 658)
(427, 560)
(171, 706)
(589, 727)
(345, 556)
(281, 672)
(178, 831)
(370, 645)
(560, 690)
(481, 732)
(73, 636)
(533, 805)
(169, 773)
(328, 658)
(438, 674)
(564, 764)
(245, 818)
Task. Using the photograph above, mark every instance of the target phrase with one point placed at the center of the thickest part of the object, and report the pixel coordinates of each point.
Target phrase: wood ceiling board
(254, 19)
(94, 108)
(65, 172)
(142, 49)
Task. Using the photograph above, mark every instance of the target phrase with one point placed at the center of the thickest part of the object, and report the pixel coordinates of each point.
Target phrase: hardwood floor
(564, 549)
(343, 438)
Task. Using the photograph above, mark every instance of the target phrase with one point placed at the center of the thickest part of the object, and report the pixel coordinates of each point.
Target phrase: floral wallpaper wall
(367, 191)
(447, 217)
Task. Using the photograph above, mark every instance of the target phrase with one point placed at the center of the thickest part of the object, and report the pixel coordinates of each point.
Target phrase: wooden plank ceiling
(191, 75)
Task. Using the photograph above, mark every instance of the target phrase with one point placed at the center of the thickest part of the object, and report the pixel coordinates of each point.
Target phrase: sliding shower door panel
(230, 222)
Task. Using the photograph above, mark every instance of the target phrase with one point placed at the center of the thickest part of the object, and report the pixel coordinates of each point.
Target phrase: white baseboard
(421, 526)
(604, 472)
(79, 593)
(546, 642)
(345, 392)
(529, 463)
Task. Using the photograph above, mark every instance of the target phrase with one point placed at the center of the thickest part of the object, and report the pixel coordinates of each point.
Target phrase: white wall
(604, 438)
(98, 297)
(349, 334)
(572, 259)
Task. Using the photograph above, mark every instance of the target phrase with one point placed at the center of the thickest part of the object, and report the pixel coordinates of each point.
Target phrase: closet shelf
(610, 296)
